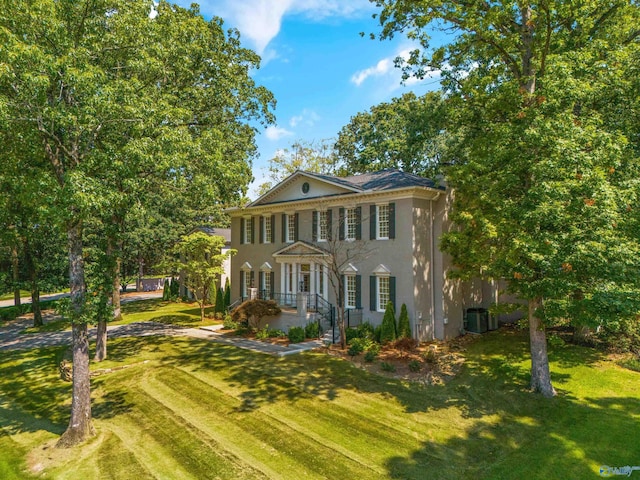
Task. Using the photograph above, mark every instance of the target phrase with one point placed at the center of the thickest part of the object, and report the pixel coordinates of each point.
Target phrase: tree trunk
(15, 267)
(114, 248)
(101, 341)
(540, 374)
(35, 304)
(140, 274)
(80, 427)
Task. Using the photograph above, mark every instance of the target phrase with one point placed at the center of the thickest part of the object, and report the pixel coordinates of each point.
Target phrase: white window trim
(347, 278)
(382, 306)
(289, 217)
(347, 224)
(269, 239)
(319, 228)
(378, 236)
(247, 229)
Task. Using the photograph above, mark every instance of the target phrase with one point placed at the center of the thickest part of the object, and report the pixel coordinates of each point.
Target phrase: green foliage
(404, 327)
(406, 133)
(388, 326)
(631, 364)
(355, 348)
(263, 333)
(228, 323)
(388, 367)
(296, 334)
(174, 289)
(10, 313)
(366, 330)
(377, 333)
(414, 366)
(227, 293)
(312, 330)
(622, 336)
(350, 334)
(219, 305)
(370, 356)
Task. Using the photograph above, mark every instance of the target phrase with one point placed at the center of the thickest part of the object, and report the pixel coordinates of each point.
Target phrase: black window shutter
(241, 231)
(392, 220)
(329, 226)
(373, 300)
(342, 223)
(392, 291)
(372, 222)
(260, 284)
(358, 223)
(295, 228)
(242, 274)
(261, 229)
(253, 230)
(252, 279)
(358, 291)
(273, 281)
(314, 226)
(284, 228)
(273, 229)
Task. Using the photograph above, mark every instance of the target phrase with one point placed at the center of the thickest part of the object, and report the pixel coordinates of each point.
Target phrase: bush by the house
(366, 330)
(228, 323)
(414, 366)
(277, 333)
(219, 308)
(388, 330)
(388, 367)
(370, 356)
(354, 349)
(404, 327)
(350, 334)
(296, 334)
(251, 312)
(227, 293)
(312, 330)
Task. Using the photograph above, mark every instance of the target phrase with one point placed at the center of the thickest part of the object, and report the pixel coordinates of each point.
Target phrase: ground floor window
(383, 293)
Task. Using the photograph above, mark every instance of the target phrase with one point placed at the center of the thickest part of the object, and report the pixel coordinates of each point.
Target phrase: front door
(304, 280)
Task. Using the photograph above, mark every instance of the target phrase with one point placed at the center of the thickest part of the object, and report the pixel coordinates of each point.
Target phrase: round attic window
(305, 187)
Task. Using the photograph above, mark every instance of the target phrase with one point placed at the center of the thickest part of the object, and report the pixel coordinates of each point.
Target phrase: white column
(312, 278)
(294, 278)
(283, 278)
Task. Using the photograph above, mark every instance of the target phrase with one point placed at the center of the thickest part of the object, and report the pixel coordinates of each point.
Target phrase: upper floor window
(382, 227)
(350, 224)
(291, 228)
(322, 226)
(248, 230)
(267, 229)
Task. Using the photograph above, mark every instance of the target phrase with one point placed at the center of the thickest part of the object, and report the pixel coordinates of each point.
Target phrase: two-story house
(383, 230)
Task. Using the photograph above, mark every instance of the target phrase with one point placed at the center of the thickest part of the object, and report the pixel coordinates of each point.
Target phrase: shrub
(250, 312)
(219, 308)
(366, 330)
(370, 356)
(296, 334)
(263, 333)
(631, 364)
(404, 327)
(374, 348)
(377, 333)
(227, 293)
(351, 333)
(276, 333)
(361, 343)
(228, 323)
(622, 336)
(312, 330)
(431, 355)
(174, 288)
(355, 349)
(414, 366)
(387, 367)
(388, 331)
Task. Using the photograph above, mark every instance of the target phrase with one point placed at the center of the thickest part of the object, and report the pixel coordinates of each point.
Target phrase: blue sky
(317, 65)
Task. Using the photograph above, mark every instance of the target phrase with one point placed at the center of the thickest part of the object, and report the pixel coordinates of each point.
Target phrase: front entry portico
(303, 269)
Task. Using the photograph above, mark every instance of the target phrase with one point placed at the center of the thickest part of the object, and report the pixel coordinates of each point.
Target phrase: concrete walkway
(12, 339)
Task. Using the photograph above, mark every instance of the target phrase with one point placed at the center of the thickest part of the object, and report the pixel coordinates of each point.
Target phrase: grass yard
(198, 410)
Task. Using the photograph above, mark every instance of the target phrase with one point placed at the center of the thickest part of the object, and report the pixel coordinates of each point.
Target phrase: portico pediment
(298, 249)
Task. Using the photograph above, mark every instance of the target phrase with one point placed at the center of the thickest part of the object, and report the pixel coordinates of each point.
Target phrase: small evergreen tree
(388, 330)
(166, 290)
(404, 327)
(227, 294)
(175, 288)
(220, 307)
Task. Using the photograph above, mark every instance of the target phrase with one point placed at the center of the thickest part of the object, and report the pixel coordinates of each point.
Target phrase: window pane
(247, 230)
(291, 228)
(267, 229)
(383, 293)
(383, 221)
(322, 226)
(350, 291)
(350, 232)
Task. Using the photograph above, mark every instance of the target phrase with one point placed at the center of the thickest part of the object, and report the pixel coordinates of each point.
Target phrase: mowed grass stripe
(306, 456)
(116, 461)
(198, 455)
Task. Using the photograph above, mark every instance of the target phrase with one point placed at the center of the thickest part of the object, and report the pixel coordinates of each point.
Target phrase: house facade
(378, 232)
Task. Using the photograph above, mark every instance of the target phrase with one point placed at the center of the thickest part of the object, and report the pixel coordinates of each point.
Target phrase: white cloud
(259, 21)
(274, 132)
(307, 117)
(385, 69)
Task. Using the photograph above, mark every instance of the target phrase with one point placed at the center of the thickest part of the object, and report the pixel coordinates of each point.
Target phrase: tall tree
(406, 133)
(199, 259)
(316, 157)
(106, 85)
(545, 186)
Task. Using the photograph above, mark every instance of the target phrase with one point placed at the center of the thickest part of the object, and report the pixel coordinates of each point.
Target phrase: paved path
(12, 339)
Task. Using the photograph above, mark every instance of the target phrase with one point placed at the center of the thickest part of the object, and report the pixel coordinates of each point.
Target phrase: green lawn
(200, 410)
(185, 314)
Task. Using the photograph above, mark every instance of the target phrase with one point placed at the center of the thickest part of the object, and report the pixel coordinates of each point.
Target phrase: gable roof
(382, 180)
(222, 232)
